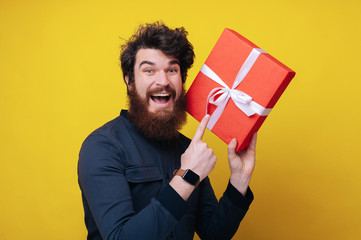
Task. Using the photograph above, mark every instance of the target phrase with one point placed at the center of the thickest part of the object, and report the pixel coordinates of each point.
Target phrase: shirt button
(168, 176)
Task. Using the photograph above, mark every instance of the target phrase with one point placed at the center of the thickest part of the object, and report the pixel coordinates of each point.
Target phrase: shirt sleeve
(107, 194)
(221, 220)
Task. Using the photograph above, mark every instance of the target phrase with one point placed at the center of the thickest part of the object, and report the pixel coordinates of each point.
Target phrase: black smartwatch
(188, 175)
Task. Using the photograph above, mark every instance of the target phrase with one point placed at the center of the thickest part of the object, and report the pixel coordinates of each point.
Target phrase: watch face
(191, 177)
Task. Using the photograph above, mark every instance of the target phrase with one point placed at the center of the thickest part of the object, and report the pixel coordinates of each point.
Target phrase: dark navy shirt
(124, 178)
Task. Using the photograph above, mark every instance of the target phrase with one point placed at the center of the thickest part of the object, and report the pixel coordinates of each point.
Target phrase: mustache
(161, 89)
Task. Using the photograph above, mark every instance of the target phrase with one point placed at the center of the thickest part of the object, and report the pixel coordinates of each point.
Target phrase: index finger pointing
(201, 128)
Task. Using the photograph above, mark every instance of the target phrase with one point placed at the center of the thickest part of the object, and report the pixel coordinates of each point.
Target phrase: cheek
(178, 86)
(179, 90)
(141, 88)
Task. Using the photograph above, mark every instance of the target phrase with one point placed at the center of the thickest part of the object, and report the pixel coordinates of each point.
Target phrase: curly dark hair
(172, 42)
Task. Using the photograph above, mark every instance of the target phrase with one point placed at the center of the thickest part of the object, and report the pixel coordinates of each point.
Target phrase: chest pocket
(144, 182)
(139, 174)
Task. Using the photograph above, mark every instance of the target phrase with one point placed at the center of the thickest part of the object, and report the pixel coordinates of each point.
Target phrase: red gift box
(238, 86)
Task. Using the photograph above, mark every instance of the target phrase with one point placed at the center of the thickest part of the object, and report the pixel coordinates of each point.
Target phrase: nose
(162, 79)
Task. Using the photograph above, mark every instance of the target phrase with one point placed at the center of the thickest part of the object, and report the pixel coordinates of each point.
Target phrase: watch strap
(182, 173)
(179, 172)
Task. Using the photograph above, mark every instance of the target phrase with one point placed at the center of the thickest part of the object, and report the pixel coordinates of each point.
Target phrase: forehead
(154, 57)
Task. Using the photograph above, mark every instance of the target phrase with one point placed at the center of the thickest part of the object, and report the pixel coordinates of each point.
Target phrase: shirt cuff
(237, 198)
(171, 200)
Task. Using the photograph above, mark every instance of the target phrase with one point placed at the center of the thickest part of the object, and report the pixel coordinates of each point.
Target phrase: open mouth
(160, 97)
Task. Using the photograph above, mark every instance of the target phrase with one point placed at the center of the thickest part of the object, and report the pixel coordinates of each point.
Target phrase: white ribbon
(242, 100)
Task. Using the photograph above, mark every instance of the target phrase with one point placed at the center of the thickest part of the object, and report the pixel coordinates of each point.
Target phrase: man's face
(157, 80)
(157, 101)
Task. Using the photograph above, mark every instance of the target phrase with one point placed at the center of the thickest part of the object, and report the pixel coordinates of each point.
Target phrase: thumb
(232, 148)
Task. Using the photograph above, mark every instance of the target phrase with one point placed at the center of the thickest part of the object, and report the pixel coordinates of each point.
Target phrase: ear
(126, 78)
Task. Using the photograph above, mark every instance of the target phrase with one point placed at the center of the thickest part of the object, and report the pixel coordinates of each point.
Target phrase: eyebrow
(175, 61)
(146, 62)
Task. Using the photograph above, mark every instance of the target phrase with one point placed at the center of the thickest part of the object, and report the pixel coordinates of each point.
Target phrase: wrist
(188, 175)
(183, 188)
(240, 182)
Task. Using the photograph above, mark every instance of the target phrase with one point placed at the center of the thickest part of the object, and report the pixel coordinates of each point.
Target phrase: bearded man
(140, 178)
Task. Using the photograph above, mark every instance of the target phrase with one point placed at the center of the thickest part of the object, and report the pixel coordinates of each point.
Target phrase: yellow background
(60, 79)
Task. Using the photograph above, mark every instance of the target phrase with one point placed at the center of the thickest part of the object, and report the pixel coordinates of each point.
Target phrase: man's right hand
(199, 157)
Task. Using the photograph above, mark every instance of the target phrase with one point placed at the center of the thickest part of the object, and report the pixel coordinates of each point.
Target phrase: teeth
(161, 95)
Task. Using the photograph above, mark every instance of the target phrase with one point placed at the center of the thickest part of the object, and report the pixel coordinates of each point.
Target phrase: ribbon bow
(243, 101)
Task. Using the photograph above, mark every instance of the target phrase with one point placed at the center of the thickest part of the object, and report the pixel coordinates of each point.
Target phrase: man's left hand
(242, 164)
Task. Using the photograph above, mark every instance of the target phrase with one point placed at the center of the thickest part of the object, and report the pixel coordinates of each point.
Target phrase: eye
(173, 70)
(147, 70)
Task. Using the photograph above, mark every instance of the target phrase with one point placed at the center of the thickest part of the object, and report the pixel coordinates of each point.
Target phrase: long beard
(161, 125)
